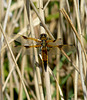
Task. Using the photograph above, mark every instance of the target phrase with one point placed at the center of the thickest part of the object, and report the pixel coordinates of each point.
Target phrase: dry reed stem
(36, 56)
(62, 5)
(15, 20)
(68, 7)
(76, 74)
(80, 54)
(17, 5)
(82, 76)
(4, 86)
(11, 79)
(61, 94)
(24, 30)
(7, 96)
(59, 35)
(16, 15)
(31, 91)
(2, 38)
(6, 16)
(36, 86)
(72, 26)
(76, 81)
(22, 73)
(24, 59)
(1, 10)
(15, 63)
(44, 25)
(46, 5)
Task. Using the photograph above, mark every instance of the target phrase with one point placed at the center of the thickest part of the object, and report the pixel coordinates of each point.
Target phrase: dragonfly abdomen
(44, 58)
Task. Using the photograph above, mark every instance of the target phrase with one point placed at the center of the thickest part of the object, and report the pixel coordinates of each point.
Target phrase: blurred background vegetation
(69, 79)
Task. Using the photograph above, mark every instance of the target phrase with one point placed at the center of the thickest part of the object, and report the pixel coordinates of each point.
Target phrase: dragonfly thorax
(43, 38)
(43, 44)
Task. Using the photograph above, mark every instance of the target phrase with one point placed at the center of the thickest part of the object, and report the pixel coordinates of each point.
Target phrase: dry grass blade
(2, 38)
(70, 61)
(40, 90)
(15, 63)
(80, 53)
(46, 5)
(6, 17)
(4, 86)
(24, 30)
(17, 5)
(76, 80)
(15, 37)
(77, 35)
(48, 31)
(61, 94)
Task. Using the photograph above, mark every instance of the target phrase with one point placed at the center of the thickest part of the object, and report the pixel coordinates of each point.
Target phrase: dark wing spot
(27, 46)
(24, 37)
(60, 46)
(54, 40)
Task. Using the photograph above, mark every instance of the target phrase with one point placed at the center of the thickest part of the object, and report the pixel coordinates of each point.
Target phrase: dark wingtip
(15, 45)
(24, 37)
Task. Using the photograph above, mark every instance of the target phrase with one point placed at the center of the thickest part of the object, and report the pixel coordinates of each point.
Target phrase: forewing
(24, 40)
(53, 46)
(68, 48)
(26, 44)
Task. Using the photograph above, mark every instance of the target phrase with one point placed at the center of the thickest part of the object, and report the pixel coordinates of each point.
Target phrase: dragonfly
(44, 43)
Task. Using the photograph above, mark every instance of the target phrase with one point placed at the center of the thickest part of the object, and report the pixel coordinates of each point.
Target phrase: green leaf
(71, 94)
(65, 79)
(52, 16)
(85, 37)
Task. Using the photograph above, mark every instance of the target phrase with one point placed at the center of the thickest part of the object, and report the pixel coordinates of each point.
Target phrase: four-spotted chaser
(44, 44)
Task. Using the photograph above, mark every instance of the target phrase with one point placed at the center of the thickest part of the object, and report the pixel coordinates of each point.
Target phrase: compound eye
(43, 36)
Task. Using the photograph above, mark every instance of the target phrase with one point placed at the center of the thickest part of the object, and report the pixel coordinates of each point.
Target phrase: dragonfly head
(43, 36)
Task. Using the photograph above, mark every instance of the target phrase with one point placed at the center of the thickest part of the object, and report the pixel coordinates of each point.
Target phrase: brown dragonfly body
(43, 38)
(44, 44)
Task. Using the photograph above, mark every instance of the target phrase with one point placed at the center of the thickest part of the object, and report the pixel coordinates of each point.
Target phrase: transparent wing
(54, 43)
(26, 44)
(55, 50)
(26, 49)
(28, 40)
(68, 48)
